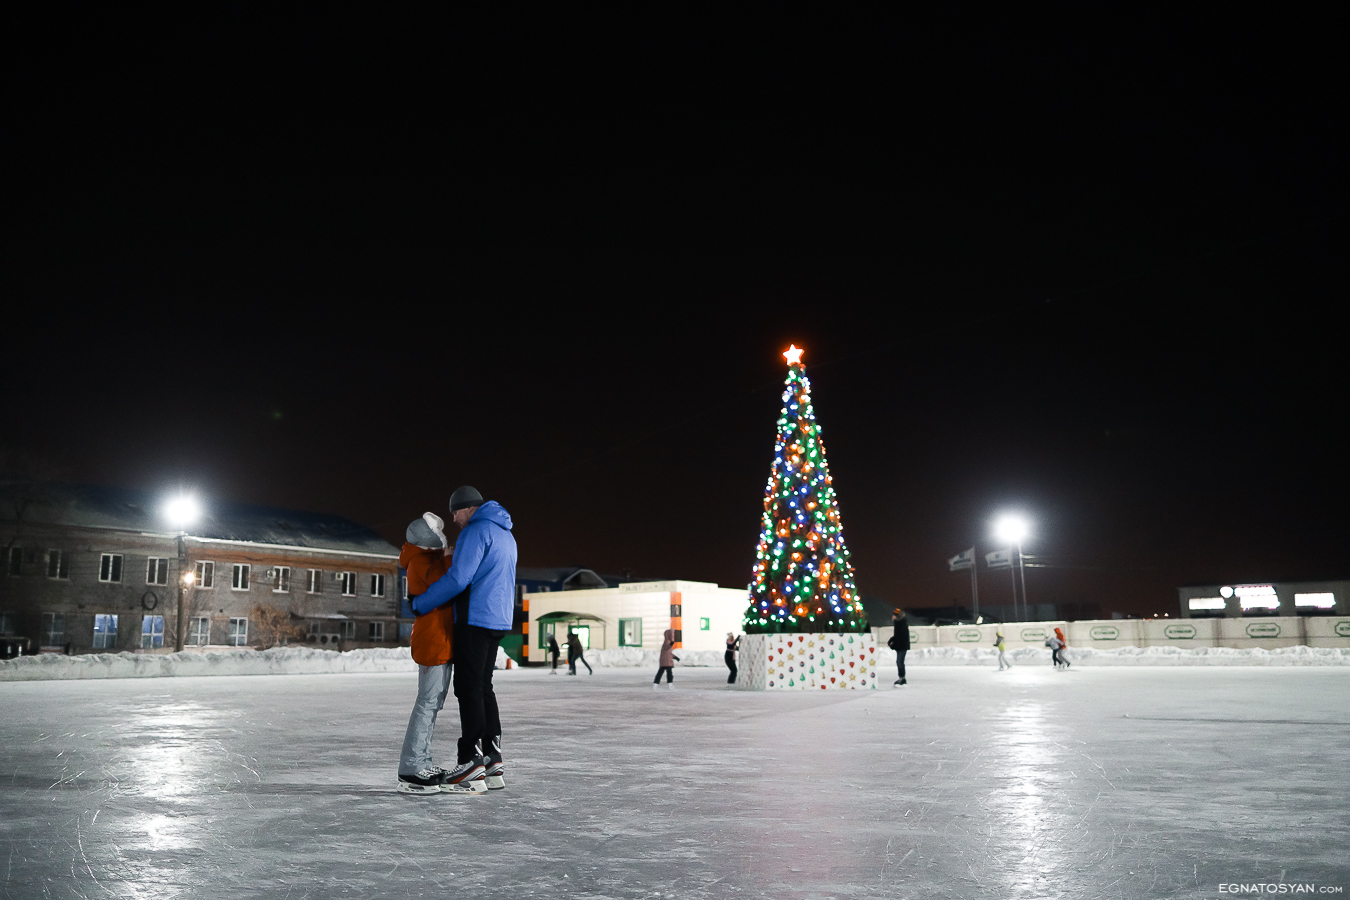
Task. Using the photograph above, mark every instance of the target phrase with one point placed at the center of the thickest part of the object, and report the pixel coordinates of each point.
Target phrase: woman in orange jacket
(426, 556)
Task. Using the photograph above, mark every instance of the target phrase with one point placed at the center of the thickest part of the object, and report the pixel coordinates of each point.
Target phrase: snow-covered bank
(1135, 656)
(277, 661)
(635, 657)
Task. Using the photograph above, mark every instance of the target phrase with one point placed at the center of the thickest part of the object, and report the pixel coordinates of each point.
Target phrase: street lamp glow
(1011, 529)
(182, 510)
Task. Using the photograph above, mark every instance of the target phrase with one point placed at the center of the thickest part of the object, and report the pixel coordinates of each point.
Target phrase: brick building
(98, 569)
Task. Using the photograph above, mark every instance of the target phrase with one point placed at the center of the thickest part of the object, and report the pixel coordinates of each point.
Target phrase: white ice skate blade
(405, 787)
(470, 787)
(496, 783)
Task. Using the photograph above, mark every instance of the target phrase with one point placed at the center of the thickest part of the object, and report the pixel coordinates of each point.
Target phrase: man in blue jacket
(481, 582)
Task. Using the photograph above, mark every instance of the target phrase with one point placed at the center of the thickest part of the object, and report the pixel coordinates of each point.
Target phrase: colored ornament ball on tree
(802, 580)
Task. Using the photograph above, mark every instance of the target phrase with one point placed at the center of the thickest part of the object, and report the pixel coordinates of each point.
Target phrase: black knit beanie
(464, 497)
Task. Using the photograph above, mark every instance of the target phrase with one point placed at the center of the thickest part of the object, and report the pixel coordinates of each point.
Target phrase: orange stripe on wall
(677, 618)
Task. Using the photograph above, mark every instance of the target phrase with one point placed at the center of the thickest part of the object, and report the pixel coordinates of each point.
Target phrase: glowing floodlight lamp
(182, 510)
(1011, 529)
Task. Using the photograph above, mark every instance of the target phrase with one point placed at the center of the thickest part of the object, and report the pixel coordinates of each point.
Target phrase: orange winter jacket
(433, 635)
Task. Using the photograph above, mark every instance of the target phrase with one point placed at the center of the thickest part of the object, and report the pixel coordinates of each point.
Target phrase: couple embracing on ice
(464, 604)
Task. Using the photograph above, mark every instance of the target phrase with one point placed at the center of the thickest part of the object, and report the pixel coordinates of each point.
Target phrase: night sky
(1086, 265)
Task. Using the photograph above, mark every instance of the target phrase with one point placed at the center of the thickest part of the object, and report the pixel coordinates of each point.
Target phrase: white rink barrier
(808, 662)
(1265, 633)
(277, 661)
(1137, 656)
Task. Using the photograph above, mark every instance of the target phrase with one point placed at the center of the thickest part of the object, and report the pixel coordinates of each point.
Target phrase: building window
(348, 583)
(239, 577)
(199, 635)
(281, 579)
(6, 624)
(238, 631)
(110, 568)
(377, 631)
(314, 584)
(404, 632)
(206, 574)
(347, 630)
(403, 586)
(156, 571)
(152, 632)
(105, 632)
(704, 624)
(545, 632)
(58, 564)
(16, 560)
(377, 586)
(53, 629)
(630, 632)
(1321, 600)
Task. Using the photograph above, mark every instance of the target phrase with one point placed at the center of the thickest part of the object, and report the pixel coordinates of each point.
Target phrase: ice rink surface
(967, 783)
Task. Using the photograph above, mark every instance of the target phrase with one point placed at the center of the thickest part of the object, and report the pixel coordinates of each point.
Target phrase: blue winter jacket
(484, 562)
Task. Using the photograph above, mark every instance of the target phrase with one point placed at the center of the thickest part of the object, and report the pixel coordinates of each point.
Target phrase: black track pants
(475, 654)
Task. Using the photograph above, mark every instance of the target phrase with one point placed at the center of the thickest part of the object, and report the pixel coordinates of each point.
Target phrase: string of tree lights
(802, 577)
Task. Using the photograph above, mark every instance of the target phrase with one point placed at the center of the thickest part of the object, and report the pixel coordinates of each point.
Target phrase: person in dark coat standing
(555, 651)
(576, 652)
(733, 644)
(899, 642)
(666, 662)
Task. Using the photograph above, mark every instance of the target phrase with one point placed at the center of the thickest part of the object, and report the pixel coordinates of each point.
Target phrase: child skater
(1002, 645)
(666, 662)
(426, 556)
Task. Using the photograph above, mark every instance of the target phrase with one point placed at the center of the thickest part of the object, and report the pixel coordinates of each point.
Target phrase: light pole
(182, 511)
(1012, 529)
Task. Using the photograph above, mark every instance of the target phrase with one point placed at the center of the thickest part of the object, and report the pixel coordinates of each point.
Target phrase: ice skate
(466, 778)
(494, 767)
(427, 781)
(656, 687)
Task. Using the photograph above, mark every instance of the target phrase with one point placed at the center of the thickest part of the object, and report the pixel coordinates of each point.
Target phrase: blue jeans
(433, 683)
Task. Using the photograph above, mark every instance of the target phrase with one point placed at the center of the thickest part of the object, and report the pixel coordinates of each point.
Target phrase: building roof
(571, 578)
(121, 509)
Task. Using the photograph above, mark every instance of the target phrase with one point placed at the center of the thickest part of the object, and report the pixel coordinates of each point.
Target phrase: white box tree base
(808, 662)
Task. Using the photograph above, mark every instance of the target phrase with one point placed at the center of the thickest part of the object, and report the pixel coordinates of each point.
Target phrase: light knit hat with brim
(427, 532)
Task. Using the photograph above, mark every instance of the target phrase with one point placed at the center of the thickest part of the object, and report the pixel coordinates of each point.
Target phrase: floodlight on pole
(182, 511)
(1012, 529)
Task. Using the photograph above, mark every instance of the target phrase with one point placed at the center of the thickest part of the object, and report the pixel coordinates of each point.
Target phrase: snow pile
(1136, 656)
(637, 658)
(277, 661)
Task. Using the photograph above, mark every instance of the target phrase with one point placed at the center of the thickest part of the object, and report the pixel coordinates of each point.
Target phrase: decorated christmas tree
(803, 580)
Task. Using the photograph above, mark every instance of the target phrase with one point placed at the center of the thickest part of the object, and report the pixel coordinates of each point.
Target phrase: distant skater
(1002, 645)
(555, 651)
(576, 653)
(1063, 646)
(1055, 645)
(667, 661)
(899, 642)
(733, 644)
